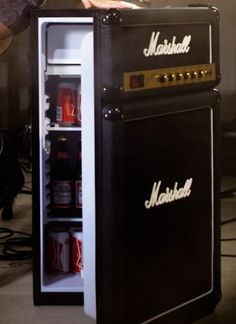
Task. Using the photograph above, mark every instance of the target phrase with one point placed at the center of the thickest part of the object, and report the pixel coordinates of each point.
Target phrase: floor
(16, 301)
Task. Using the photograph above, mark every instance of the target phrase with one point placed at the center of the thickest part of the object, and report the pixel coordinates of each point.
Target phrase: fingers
(129, 5)
(87, 4)
(105, 4)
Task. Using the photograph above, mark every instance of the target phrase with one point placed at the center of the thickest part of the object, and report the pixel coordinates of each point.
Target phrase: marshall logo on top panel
(154, 44)
(167, 47)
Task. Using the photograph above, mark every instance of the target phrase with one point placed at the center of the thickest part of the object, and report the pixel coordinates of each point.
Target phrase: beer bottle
(62, 191)
(78, 179)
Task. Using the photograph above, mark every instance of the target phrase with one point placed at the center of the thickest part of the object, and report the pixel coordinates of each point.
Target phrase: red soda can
(78, 106)
(58, 250)
(66, 111)
(77, 250)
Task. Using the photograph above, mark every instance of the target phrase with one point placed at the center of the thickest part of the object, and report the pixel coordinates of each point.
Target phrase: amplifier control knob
(202, 74)
(164, 78)
(194, 75)
(187, 75)
(172, 77)
(180, 76)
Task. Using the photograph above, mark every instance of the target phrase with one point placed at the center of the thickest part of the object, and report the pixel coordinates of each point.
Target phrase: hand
(6, 38)
(5, 32)
(105, 4)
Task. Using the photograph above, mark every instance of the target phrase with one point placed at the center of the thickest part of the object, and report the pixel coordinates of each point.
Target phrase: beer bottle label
(78, 194)
(59, 114)
(62, 194)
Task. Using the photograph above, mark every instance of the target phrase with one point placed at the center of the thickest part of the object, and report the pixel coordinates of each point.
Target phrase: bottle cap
(62, 139)
(68, 85)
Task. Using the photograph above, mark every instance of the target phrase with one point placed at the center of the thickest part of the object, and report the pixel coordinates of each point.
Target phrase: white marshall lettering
(159, 198)
(167, 48)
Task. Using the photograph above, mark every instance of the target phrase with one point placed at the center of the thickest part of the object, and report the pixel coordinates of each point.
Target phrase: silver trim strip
(210, 44)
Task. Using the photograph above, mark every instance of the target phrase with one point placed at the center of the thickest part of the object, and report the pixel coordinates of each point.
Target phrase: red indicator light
(137, 81)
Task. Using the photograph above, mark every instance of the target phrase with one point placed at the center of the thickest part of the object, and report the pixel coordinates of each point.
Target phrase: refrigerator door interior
(165, 214)
(65, 70)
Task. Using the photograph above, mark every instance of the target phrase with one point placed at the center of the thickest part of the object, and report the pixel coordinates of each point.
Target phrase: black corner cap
(112, 17)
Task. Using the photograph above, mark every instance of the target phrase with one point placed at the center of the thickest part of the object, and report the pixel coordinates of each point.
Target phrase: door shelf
(64, 219)
(64, 70)
(63, 283)
(58, 128)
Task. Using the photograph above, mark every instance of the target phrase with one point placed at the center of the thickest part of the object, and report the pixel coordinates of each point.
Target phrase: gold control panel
(168, 77)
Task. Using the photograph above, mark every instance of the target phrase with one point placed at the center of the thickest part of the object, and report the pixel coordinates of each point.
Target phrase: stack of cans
(64, 249)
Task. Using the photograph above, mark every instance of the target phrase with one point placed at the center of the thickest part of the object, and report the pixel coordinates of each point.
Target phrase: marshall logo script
(169, 195)
(167, 48)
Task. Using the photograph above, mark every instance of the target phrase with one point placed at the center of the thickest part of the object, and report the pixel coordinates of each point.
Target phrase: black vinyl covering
(161, 258)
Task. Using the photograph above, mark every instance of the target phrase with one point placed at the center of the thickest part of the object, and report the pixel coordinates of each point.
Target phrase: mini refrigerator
(126, 181)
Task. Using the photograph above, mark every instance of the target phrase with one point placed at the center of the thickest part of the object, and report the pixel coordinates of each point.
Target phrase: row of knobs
(182, 76)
